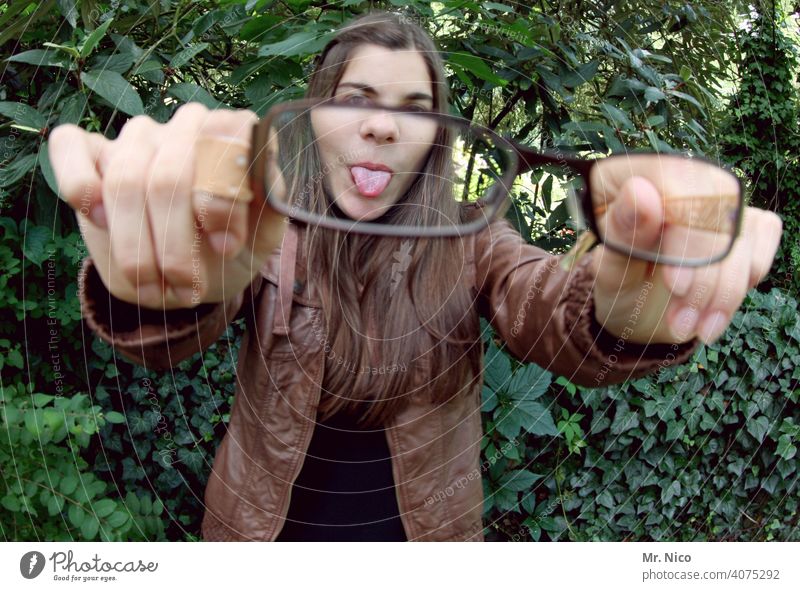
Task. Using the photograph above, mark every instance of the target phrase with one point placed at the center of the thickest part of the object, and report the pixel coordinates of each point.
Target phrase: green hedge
(706, 451)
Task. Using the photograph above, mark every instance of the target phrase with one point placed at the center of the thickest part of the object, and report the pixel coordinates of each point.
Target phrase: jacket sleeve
(155, 339)
(545, 314)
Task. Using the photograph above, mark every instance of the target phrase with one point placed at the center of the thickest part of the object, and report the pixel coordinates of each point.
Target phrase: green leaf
(68, 11)
(301, 43)
(41, 58)
(35, 242)
(189, 92)
(114, 417)
(536, 418)
(529, 382)
(53, 418)
(115, 89)
(477, 66)
(184, 56)
(687, 97)
(89, 527)
(14, 358)
(76, 514)
(104, 508)
(11, 503)
(22, 114)
(117, 519)
(618, 116)
(94, 38)
(55, 504)
(518, 480)
(786, 449)
(758, 428)
(66, 48)
(673, 490)
(653, 94)
(47, 169)
(68, 484)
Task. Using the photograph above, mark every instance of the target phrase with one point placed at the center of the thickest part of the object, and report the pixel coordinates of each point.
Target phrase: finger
(687, 310)
(632, 221)
(177, 239)
(73, 155)
(765, 229)
(124, 200)
(225, 220)
(266, 225)
(728, 293)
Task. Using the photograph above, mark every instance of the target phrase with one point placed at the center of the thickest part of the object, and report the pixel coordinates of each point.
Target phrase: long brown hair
(399, 315)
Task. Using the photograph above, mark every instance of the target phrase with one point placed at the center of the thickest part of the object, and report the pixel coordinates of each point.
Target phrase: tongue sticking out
(370, 183)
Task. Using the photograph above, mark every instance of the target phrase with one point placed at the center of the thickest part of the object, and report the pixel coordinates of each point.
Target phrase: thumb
(633, 221)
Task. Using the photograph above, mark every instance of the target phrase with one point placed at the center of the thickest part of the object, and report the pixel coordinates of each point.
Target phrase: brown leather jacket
(541, 312)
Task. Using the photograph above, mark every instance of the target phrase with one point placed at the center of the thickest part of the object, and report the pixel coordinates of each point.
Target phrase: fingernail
(150, 295)
(185, 295)
(681, 280)
(684, 322)
(712, 327)
(223, 242)
(98, 216)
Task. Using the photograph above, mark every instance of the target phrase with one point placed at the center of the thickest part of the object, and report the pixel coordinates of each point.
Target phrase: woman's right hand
(154, 241)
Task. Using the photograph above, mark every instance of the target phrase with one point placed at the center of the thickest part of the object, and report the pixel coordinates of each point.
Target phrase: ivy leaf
(758, 428)
(34, 244)
(671, 491)
(115, 89)
(785, 448)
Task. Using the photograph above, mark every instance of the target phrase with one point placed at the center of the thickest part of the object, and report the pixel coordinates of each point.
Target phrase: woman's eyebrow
(413, 96)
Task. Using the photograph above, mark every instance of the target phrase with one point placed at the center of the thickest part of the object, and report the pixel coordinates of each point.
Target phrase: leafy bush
(706, 451)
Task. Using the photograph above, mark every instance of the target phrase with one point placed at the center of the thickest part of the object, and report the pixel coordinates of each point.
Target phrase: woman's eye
(356, 99)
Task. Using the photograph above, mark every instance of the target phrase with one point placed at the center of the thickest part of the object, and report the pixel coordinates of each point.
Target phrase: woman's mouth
(370, 179)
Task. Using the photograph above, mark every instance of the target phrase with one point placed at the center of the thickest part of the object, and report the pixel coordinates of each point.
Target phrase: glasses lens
(699, 205)
(367, 164)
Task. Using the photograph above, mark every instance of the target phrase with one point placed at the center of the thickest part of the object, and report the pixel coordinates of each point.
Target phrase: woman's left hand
(643, 302)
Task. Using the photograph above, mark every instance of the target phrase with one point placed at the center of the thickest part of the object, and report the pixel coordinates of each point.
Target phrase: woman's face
(369, 160)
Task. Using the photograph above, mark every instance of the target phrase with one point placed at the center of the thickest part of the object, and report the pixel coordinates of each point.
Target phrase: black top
(345, 490)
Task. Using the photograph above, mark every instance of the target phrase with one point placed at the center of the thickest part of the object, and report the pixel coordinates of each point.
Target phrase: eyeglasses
(354, 166)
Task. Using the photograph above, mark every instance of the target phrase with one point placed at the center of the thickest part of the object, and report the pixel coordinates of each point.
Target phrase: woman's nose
(381, 126)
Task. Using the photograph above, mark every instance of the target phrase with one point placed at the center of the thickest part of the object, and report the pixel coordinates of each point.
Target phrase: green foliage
(706, 451)
(51, 492)
(760, 135)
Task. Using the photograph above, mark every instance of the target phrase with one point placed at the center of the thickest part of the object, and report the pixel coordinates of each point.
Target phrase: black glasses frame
(521, 159)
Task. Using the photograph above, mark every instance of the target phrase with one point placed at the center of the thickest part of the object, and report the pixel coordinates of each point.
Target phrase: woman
(357, 411)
